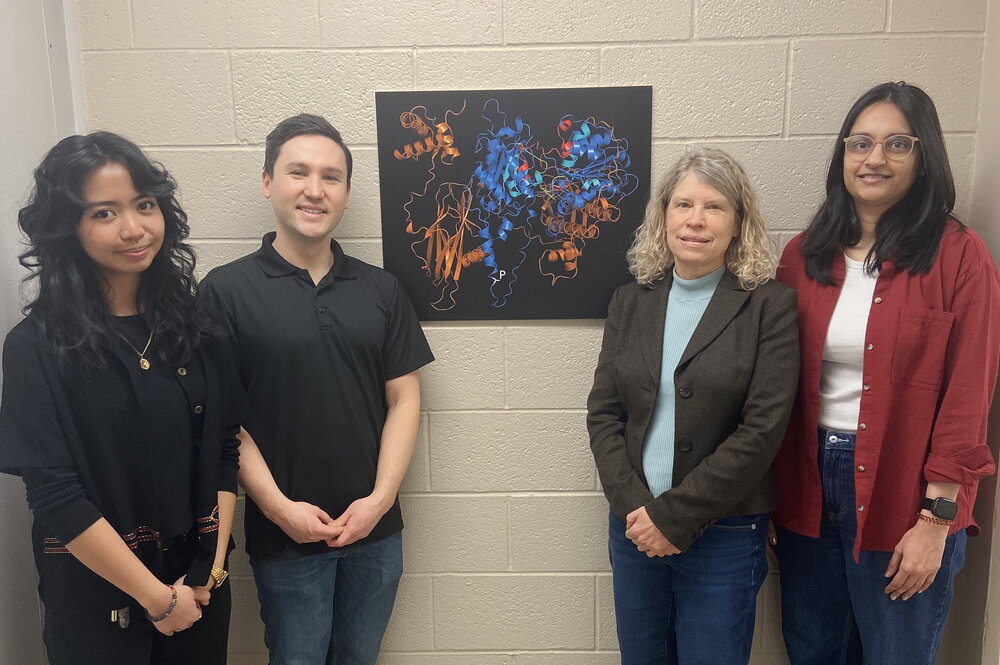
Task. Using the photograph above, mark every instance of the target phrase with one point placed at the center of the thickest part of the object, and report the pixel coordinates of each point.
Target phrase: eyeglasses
(897, 146)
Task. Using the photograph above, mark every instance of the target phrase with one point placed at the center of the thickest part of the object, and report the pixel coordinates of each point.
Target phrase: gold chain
(143, 363)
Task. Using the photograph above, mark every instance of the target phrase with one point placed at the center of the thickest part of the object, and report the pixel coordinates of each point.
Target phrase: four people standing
(897, 308)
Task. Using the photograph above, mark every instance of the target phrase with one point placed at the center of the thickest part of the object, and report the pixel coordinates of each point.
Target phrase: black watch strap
(942, 508)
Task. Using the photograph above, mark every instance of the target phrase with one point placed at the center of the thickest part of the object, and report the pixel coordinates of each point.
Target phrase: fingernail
(893, 597)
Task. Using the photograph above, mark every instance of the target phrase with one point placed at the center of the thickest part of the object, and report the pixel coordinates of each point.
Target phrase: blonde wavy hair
(749, 256)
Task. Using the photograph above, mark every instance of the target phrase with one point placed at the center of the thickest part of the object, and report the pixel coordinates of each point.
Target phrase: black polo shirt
(314, 360)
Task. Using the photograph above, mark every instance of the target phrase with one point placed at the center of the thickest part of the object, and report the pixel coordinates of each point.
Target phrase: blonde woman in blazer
(691, 397)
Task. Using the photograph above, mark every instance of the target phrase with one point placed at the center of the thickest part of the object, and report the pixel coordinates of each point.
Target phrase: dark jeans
(330, 608)
(835, 611)
(693, 608)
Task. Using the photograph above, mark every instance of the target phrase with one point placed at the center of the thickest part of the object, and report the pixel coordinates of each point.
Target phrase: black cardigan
(50, 419)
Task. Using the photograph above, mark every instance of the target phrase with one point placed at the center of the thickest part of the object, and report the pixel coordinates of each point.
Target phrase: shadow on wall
(20, 624)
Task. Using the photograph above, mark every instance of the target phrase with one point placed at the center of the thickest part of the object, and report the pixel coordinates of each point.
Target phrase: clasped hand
(357, 521)
(646, 536)
(304, 522)
(187, 609)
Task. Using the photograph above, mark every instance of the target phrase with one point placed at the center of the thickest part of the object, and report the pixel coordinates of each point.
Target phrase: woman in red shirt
(899, 316)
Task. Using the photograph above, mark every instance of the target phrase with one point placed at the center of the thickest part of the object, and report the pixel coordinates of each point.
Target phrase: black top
(315, 359)
(163, 408)
(82, 438)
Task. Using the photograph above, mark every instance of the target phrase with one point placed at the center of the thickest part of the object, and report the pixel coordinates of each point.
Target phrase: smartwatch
(942, 508)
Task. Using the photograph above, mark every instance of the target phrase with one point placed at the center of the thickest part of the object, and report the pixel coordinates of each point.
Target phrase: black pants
(86, 638)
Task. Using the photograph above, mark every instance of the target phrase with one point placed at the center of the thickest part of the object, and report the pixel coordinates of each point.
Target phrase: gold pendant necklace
(143, 363)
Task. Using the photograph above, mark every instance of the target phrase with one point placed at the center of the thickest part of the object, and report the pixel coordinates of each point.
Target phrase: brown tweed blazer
(734, 385)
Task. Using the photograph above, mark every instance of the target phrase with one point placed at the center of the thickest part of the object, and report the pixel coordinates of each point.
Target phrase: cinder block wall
(505, 540)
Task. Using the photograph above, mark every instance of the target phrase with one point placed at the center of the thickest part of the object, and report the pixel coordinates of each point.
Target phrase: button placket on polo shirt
(324, 317)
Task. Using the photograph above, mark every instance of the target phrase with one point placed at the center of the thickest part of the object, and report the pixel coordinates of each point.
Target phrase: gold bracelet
(937, 521)
(219, 575)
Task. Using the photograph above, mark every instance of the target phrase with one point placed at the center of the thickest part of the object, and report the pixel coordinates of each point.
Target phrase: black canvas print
(512, 204)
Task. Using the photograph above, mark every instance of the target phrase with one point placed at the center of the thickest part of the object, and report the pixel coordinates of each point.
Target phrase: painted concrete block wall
(505, 539)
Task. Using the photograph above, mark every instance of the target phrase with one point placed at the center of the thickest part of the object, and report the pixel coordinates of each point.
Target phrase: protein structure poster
(512, 204)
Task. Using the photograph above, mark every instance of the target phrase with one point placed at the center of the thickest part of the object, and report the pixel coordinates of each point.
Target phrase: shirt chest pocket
(921, 347)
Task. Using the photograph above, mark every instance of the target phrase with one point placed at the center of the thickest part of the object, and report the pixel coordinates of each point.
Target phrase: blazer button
(199, 409)
(182, 371)
(684, 393)
(685, 447)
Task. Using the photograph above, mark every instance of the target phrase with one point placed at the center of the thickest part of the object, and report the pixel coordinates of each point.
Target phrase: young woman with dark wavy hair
(120, 410)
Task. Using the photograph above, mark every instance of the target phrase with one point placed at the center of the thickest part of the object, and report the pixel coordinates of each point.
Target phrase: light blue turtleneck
(686, 304)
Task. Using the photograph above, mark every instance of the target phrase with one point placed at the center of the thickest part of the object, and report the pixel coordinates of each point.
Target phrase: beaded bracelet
(170, 608)
(937, 521)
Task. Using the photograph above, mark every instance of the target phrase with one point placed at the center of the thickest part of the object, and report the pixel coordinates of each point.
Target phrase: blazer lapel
(726, 302)
(651, 311)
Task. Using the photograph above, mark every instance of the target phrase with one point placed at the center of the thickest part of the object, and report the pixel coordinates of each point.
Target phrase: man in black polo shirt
(329, 349)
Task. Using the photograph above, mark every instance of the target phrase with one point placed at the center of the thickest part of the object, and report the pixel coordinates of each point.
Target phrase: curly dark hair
(71, 305)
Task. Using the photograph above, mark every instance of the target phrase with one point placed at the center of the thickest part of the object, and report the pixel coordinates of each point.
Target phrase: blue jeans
(835, 611)
(693, 608)
(330, 608)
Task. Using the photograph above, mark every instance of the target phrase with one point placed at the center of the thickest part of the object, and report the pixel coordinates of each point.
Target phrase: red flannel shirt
(930, 367)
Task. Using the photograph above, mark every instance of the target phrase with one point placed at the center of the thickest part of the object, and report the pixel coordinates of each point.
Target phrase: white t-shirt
(844, 351)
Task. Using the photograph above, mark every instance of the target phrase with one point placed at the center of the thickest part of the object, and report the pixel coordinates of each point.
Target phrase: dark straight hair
(71, 306)
(299, 125)
(909, 232)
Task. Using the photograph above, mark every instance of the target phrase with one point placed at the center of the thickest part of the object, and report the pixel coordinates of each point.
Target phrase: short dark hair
(909, 232)
(71, 305)
(298, 125)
